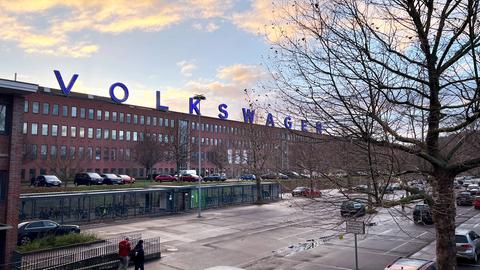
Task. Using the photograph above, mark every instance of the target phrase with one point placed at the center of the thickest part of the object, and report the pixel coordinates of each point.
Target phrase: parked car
(457, 184)
(189, 177)
(282, 176)
(352, 209)
(476, 202)
(47, 181)
(422, 214)
(468, 244)
(269, 176)
(411, 264)
(298, 191)
(306, 192)
(292, 174)
(165, 178)
(361, 188)
(248, 176)
(473, 189)
(30, 230)
(88, 178)
(127, 179)
(214, 177)
(464, 198)
(467, 182)
(110, 179)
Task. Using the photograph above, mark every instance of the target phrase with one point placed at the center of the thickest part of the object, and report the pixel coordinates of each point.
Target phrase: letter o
(112, 92)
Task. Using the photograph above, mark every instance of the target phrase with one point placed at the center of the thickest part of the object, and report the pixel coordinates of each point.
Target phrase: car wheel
(25, 240)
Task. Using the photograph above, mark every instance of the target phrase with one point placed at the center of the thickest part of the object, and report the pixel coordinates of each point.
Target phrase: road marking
(409, 241)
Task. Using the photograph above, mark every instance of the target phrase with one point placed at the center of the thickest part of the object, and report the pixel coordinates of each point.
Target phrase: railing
(83, 257)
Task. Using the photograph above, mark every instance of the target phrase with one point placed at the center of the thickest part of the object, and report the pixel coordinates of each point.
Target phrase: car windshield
(96, 175)
(461, 239)
(357, 205)
(50, 177)
(110, 175)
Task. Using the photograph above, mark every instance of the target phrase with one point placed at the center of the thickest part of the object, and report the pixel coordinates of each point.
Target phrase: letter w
(248, 115)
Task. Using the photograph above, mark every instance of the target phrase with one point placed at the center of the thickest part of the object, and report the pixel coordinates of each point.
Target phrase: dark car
(110, 179)
(48, 181)
(298, 191)
(28, 231)
(411, 264)
(464, 198)
(292, 174)
(422, 214)
(214, 177)
(165, 178)
(88, 178)
(352, 209)
(248, 176)
(269, 176)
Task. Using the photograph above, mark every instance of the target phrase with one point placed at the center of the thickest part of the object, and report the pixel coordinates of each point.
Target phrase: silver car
(468, 244)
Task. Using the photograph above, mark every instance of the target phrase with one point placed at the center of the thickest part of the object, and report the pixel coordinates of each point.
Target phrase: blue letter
(318, 126)
(248, 115)
(222, 109)
(288, 122)
(194, 106)
(304, 125)
(270, 120)
(112, 93)
(160, 107)
(64, 89)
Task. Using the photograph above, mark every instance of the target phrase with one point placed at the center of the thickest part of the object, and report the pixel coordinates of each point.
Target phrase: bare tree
(400, 74)
(179, 151)
(218, 156)
(148, 152)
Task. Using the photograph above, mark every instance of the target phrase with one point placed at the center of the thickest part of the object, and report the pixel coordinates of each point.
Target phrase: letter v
(65, 90)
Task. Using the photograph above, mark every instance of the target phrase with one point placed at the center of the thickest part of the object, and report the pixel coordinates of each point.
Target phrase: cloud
(66, 24)
(242, 74)
(186, 67)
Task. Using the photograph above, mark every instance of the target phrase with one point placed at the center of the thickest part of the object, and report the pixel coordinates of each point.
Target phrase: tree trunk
(444, 217)
(259, 189)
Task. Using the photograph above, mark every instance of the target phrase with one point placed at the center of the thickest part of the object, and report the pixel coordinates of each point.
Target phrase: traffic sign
(356, 227)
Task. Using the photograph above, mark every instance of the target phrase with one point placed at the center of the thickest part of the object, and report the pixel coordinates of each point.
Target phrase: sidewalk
(468, 220)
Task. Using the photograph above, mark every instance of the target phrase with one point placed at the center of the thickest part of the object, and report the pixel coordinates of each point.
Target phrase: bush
(52, 241)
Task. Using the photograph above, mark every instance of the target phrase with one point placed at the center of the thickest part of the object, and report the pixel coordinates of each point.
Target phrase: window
(35, 107)
(135, 119)
(33, 129)
(64, 110)
(166, 138)
(82, 113)
(90, 153)
(120, 154)
(33, 151)
(81, 132)
(46, 108)
(72, 152)
(43, 151)
(44, 129)
(106, 134)
(25, 106)
(64, 131)
(114, 116)
(90, 114)
(25, 128)
(63, 152)
(74, 112)
(129, 118)
(120, 135)
(154, 121)
(55, 110)
(98, 133)
(142, 120)
(106, 153)
(114, 134)
(99, 115)
(166, 122)
(73, 132)
(98, 153)
(148, 120)
(160, 122)
(127, 135)
(53, 152)
(106, 115)
(193, 125)
(172, 123)
(122, 117)
(127, 154)
(54, 130)
(113, 154)
(135, 136)
(90, 133)
(160, 137)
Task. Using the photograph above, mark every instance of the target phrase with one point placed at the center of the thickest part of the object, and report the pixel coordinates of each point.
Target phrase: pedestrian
(139, 255)
(123, 252)
(402, 202)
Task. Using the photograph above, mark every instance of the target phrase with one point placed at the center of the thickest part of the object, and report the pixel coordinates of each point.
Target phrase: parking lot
(295, 233)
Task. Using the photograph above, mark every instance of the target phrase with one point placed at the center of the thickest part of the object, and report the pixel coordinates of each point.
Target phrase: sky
(211, 47)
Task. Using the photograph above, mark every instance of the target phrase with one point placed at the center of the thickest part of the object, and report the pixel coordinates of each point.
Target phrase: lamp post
(199, 97)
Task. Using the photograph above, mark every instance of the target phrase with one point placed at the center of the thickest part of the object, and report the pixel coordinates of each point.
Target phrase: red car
(127, 179)
(165, 178)
(476, 202)
(189, 177)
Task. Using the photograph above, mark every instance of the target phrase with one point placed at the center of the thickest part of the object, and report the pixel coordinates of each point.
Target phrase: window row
(91, 133)
(92, 114)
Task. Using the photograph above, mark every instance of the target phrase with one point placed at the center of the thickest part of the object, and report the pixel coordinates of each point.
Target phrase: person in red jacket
(124, 249)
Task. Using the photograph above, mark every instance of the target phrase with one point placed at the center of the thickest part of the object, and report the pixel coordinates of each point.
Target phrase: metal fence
(96, 256)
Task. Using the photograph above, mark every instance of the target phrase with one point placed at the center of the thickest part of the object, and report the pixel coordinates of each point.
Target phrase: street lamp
(199, 97)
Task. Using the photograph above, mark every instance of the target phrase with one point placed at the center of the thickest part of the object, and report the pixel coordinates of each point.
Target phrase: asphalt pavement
(295, 233)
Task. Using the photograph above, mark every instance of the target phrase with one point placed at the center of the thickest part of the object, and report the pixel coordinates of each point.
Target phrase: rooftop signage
(194, 108)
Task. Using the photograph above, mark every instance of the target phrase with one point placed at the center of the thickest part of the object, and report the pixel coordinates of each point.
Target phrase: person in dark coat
(139, 256)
